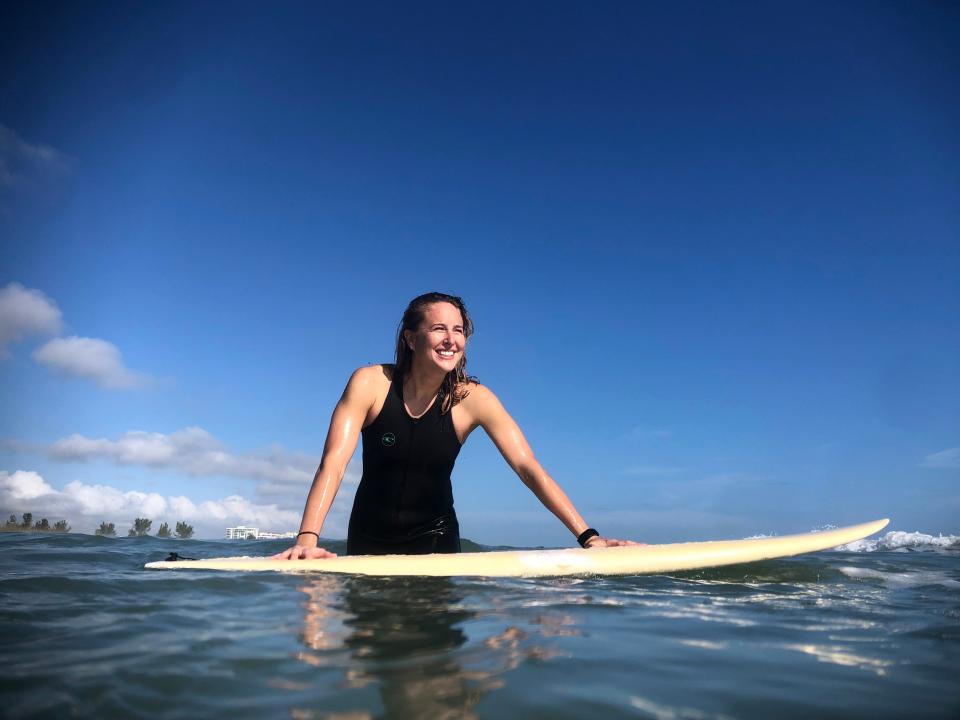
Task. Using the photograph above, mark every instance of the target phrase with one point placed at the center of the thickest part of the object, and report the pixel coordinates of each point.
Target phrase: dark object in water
(174, 557)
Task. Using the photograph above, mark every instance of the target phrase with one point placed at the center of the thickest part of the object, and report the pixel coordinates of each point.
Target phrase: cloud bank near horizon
(282, 480)
(193, 451)
(85, 506)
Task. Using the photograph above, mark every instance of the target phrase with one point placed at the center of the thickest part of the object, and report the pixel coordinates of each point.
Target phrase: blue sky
(711, 250)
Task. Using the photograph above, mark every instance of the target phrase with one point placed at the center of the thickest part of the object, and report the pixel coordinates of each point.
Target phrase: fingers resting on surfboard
(599, 542)
(301, 552)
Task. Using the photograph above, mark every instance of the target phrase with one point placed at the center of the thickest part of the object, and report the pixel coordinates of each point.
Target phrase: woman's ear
(406, 339)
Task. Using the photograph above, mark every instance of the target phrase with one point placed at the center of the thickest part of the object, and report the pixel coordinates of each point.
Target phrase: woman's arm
(507, 436)
(345, 425)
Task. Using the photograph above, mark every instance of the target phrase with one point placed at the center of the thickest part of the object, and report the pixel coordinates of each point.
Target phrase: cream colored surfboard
(539, 563)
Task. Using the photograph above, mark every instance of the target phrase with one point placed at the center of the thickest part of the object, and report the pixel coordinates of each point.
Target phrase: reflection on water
(403, 637)
(89, 633)
(408, 638)
(842, 656)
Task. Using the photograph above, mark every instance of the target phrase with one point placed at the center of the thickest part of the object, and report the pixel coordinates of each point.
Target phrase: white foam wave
(901, 579)
(898, 540)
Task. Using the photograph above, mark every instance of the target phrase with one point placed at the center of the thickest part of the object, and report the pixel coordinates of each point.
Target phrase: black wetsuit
(404, 504)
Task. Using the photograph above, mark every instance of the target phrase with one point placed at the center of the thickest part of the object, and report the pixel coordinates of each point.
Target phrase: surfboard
(627, 560)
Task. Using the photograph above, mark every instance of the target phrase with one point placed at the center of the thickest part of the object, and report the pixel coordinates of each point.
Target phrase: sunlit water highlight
(869, 632)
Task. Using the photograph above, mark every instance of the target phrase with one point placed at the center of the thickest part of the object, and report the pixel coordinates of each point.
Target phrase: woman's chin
(447, 364)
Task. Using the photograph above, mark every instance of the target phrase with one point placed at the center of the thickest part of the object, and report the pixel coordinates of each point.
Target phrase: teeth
(446, 353)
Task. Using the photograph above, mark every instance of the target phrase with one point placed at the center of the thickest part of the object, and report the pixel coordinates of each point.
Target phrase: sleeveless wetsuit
(404, 504)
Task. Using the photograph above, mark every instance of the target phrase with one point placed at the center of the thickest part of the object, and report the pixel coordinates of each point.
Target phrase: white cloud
(945, 459)
(26, 312)
(282, 478)
(85, 506)
(23, 164)
(192, 450)
(91, 358)
(23, 485)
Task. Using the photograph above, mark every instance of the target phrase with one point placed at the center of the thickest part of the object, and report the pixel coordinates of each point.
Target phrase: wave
(901, 578)
(900, 540)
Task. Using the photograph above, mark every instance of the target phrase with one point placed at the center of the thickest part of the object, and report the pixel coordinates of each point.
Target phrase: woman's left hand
(598, 542)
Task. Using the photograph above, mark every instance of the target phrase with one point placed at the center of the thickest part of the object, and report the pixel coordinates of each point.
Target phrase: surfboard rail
(630, 560)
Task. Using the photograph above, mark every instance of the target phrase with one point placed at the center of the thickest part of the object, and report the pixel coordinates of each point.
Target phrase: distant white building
(242, 532)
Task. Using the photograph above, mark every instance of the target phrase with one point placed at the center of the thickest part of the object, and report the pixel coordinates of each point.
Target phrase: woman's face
(439, 341)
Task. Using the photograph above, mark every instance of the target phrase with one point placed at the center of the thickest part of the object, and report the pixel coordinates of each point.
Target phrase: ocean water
(868, 631)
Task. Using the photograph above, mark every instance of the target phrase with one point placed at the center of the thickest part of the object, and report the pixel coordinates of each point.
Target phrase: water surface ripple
(87, 632)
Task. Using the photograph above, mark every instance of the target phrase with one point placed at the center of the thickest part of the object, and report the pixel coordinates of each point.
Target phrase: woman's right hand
(304, 552)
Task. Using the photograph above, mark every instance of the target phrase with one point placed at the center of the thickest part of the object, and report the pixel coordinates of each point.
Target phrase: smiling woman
(448, 326)
(414, 417)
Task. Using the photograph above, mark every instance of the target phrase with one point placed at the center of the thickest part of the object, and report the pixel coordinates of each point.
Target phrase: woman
(414, 417)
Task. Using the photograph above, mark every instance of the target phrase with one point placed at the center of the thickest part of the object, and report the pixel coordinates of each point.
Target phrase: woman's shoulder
(481, 405)
(473, 393)
(372, 375)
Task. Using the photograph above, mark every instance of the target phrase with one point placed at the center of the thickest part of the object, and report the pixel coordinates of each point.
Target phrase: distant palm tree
(61, 526)
(42, 525)
(184, 531)
(106, 529)
(141, 526)
(164, 531)
(27, 521)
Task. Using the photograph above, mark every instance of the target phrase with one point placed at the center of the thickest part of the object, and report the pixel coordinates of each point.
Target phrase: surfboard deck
(550, 563)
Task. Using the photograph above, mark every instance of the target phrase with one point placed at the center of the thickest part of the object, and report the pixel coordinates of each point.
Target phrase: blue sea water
(869, 631)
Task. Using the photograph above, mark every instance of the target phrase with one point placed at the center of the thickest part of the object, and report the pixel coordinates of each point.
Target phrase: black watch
(586, 535)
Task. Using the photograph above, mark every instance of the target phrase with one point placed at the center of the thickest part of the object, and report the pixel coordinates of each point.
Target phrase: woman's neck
(421, 385)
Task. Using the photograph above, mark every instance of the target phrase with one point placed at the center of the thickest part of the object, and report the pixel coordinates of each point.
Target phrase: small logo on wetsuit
(388, 439)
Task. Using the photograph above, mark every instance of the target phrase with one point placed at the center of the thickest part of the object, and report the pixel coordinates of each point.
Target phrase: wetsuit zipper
(406, 469)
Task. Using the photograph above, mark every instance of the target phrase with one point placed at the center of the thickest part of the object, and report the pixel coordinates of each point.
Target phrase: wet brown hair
(455, 386)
